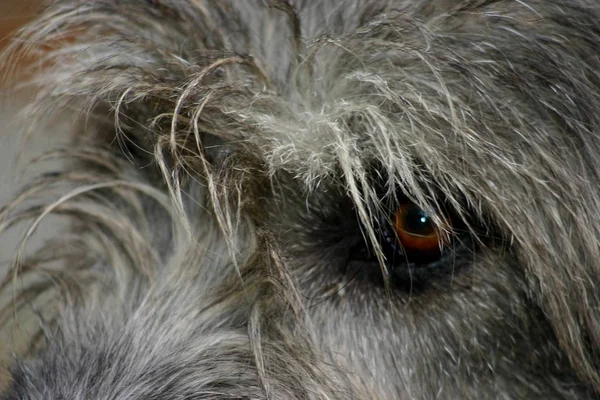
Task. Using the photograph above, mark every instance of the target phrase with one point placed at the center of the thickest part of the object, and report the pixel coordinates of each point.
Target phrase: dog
(311, 199)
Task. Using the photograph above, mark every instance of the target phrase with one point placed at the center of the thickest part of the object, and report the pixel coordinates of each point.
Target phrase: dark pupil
(418, 222)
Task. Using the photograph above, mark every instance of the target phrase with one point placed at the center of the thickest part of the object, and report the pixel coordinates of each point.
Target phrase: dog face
(317, 199)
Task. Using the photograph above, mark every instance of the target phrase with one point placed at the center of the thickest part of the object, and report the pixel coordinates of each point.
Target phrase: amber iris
(415, 230)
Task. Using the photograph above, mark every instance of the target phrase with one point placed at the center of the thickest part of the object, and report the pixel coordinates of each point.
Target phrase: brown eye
(418, 246)
(415, 230)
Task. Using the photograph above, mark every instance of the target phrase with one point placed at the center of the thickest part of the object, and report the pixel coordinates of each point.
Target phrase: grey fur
(206, 252)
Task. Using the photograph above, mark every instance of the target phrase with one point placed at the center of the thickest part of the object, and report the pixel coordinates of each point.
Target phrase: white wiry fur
(218, 149)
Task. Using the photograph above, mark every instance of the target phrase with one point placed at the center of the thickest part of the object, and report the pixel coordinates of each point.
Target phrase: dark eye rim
(409, 276)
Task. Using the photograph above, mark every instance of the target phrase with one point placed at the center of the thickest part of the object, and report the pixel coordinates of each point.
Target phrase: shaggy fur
(231, 155)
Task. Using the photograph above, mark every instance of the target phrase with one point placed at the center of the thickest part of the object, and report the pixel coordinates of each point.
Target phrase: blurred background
(14, 13)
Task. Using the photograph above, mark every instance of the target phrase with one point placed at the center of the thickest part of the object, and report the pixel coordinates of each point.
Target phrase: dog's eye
(415, 229)
(413, 236)
(420, 248)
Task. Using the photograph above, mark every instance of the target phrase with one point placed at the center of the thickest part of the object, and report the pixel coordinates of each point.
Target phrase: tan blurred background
(15, 13)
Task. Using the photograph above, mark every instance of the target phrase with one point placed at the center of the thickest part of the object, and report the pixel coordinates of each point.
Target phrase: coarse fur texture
(228, 156)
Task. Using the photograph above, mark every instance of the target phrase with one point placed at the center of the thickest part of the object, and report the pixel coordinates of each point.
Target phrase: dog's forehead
(455, 107)
(406, 98)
